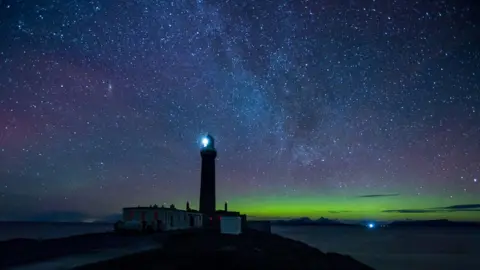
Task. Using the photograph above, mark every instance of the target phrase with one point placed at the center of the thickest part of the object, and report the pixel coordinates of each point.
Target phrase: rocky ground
(251, 250)
(17, 252)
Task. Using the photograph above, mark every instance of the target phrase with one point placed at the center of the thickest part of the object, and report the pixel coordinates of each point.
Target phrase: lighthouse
(155, 218)
(207, 181)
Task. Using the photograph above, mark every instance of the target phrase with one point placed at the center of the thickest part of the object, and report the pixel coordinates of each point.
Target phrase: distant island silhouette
(305, 221)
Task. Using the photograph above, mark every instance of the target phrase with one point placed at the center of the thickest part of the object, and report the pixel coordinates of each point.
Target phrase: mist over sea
(392, 248)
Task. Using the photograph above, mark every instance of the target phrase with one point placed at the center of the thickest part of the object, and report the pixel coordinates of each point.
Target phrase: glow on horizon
(353, 208)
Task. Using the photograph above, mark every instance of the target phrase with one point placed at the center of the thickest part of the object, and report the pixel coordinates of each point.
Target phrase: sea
(380, 248)
(395, 248)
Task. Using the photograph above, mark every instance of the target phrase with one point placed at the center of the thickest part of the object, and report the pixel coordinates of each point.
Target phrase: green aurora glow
(350, 208)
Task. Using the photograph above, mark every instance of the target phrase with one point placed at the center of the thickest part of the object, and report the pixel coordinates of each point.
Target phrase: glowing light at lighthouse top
(207, 142)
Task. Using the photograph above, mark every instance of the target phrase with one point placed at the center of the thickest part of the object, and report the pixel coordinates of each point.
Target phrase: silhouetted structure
(207, 185)
(156, 218)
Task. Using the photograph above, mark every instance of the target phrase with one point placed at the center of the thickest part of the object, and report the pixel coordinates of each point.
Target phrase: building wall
(231, 225)
(164, 218)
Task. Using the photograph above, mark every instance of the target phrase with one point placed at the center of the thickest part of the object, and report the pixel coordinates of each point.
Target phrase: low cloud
(451, 208)
(378, 195)
(461, 206)
(338, 212)
(409, 211)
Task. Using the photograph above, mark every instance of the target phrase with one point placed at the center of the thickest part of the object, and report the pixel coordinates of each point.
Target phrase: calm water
(392, 249)
(10, 230)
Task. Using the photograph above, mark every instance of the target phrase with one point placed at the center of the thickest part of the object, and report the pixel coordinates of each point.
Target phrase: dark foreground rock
(252, 250)
(23, 251)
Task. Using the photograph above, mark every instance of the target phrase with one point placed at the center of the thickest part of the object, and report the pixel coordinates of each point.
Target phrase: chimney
(188, 206)
(226, 207)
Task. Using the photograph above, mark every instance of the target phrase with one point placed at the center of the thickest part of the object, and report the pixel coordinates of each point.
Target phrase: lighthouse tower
(207, 185)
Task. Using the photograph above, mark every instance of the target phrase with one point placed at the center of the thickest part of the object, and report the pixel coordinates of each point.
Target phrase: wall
(231, 225)
(170, 219)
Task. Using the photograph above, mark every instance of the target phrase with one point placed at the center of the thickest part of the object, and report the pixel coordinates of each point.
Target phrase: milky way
(351, 110)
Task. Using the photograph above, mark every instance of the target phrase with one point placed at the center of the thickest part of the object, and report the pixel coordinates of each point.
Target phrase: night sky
(342, 109)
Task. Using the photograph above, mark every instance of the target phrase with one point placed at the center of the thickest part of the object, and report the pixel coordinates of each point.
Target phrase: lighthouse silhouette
(207, 184)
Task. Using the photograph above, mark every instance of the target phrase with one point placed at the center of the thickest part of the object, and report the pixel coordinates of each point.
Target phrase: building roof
(163, 208)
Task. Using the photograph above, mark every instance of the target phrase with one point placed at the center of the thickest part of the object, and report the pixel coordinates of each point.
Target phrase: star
(321, 110)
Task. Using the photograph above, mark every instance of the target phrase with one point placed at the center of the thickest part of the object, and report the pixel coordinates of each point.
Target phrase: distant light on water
(371, 225)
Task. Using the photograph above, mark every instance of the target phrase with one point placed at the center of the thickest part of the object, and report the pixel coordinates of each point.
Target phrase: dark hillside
(252, 250)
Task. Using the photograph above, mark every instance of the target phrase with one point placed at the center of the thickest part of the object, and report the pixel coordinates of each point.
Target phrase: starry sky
(341, 109)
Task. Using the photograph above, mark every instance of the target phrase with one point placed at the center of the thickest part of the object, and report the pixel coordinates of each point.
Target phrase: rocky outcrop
(18, 252)
(251, 250)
